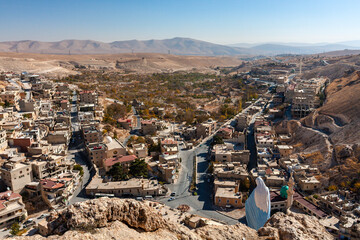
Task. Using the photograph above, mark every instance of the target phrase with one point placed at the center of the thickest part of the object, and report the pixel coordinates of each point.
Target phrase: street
(76, 152)
(202, 204)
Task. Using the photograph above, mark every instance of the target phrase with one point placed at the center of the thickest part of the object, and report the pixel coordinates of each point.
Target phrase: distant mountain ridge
(178, 46)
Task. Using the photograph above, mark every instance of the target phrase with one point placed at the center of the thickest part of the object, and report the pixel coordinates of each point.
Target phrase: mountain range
(178, 46)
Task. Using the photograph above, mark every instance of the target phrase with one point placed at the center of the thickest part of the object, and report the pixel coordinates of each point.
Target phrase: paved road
(76, 152)
(134, 130)
(201, 204)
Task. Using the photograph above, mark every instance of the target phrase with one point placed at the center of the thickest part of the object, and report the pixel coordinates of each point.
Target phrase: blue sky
(218, 21)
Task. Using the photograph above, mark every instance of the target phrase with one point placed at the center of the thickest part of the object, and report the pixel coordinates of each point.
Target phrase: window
(236, 201)
(219, 199)
(227, 201)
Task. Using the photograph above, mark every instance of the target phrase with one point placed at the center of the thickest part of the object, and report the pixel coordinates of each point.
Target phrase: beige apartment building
(114, 148)
(284, 150)
(133, 187)
(226, 153)
(228, 197)
(242, 121)
(309, 184)
(148, 127)
(16, 174)
(3, 140)
(11, 97)
(89, 97)
(229, 171)
(50, 166)
(91, 134)
(205, 129)
(96, 153)
(12, 208)
(140, 150)
(169, 146)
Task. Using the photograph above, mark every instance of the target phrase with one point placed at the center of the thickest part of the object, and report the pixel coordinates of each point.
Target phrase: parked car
(43, 216)
(30, 222)
(173, 194)
(170, 199)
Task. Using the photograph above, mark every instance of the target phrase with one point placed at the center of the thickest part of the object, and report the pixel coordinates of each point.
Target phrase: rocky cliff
(129, 219)
(329, 138)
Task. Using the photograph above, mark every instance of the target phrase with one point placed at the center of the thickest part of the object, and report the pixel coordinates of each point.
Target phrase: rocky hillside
(61, 65)
(129, 219)
(329, 138)
(339, 118)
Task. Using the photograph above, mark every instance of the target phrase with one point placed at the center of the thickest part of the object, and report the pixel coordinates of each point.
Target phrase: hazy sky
(218, 21)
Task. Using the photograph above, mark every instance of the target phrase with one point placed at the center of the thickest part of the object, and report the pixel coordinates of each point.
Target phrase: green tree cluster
(15, 228)
(139, 168)
(117, 172)
(78, 167)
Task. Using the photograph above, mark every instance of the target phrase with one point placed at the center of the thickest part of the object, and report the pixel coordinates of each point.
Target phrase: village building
(148, 127)
(88, 97)
(132, 187)
(12, 208)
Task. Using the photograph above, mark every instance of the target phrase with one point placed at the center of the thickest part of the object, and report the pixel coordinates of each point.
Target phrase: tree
(79, 168)
(211, 168)
(117, 172)
(138, 168)
(140, 140)
(245, 185)
(201, 118)
(6, 104)
(189, 116)
(115, 134)
(15, 228)
(116, 111)
(217, 140)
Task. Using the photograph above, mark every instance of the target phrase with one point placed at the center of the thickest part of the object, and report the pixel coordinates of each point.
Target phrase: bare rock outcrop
(314, 145)
(233, 232)
(129, 219)
(294, 226)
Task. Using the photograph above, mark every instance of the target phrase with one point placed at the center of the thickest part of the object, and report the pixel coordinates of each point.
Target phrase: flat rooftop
(227, 193)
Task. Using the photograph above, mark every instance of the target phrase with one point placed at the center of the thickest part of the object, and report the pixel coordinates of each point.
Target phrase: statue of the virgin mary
(258, 205)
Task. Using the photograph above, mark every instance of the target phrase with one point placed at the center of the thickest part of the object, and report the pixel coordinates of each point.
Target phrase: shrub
(79, 168)
(15, 228)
